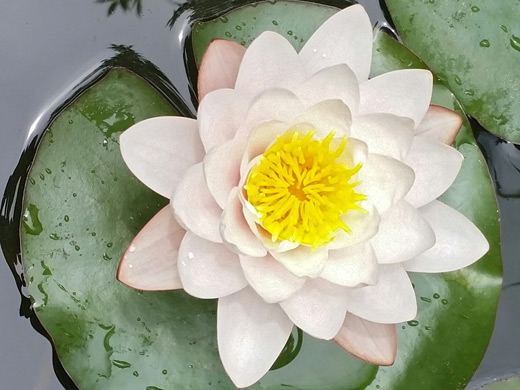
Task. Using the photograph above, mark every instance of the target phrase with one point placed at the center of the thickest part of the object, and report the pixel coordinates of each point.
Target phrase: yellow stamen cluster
(300, 191)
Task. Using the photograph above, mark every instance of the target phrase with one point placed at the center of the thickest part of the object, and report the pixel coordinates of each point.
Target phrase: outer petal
(160, 150)
(150, 261)
(251, 334)
(208, 270)
(402, 92)
(459, 242)
(303, 260)
(353, 266)
(385, 134)
(271, 280)
(369, 341)
(337, 82)
(436, 166)
(326, 116)
(270, 62)
(440, 124)
(385, 181)
(222, 169)
(319, 308)
(345, 38)
(219, 66)
(236, 232)
(195, 208)
(402, 234)
(390, 301)
(220, 115)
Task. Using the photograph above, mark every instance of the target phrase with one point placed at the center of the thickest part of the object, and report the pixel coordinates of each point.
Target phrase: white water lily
(301, 195)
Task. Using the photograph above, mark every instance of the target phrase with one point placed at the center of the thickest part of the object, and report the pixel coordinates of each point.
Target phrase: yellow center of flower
(301, 191)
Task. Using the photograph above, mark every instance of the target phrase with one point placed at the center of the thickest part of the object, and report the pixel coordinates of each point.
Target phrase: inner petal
(300, 190)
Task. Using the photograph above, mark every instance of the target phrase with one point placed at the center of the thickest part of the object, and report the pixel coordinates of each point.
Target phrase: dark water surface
(48, 47)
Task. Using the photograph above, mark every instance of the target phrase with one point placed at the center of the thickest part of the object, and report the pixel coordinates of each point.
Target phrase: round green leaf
(83, 207)
(475, 48)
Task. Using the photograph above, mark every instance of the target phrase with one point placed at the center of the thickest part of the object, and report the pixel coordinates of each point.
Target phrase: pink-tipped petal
(326, 116)
(318, 308)
(207, 269)
(441, 124)
(150, 261)
(353, 266)
(390, 301)
(219, 66)
(403, 233)
(220, 115)
(251, 334)
(236, 232)
(336, 82)
(195, 208)
(385, 181)
(160, 150)
(369, 341)
(222, 169)
(270, 62)
(402, 92)
(271, 280)
(458, 244)
(385, 134)
(436, 166)
(346, 37)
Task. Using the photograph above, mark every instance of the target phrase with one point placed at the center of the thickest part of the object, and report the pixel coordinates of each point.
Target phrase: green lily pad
(475, 48)
(83, 207)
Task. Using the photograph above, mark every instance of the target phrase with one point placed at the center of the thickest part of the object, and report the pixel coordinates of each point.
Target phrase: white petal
(402, 92)
(353, 266)
(271, 105)
(390, 301)
(440, 124)
(251, 334)
(436, 166)
(369, 341)
(222, 169)
(363, 225)
(336, 82)
(207, 269)
(150, 261)
(303, 260)
(270, 62)
(219, 66)
(402, 234)
(318, 308)
(328, 116)
(345, 38)
(459, 242)
(195, 208)
(220, 114)
(160, 150)
(385, 134)
(259, 140)
(385, 181)
(235, 230)
(271, 280)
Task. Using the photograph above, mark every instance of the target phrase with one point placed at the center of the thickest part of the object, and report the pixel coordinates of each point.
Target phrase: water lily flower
(302, 194)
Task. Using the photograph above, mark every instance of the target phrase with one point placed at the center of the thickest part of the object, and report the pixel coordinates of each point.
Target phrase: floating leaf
(475, 48)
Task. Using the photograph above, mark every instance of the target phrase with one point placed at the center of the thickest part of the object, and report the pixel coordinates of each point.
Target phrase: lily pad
(475, 48)
(83, 207)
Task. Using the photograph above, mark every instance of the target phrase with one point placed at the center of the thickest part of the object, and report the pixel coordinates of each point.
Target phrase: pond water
(48, 48)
